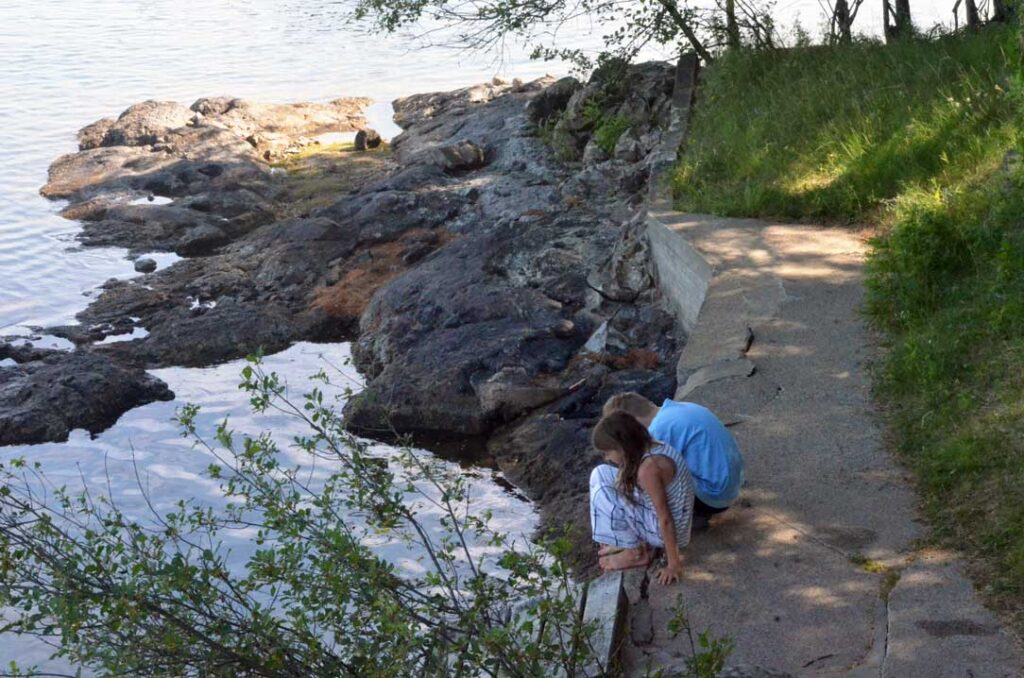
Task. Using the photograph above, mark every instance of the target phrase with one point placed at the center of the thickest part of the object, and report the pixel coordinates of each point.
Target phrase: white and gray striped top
(680, 500)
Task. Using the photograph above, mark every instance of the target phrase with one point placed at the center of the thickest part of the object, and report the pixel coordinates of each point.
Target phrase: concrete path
(815, 572)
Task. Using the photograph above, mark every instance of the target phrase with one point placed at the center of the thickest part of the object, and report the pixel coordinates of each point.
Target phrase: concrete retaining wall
(681, 273)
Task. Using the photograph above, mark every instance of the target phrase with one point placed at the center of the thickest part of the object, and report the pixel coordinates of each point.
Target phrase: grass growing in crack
(890, 576)
(914, 137)
(868, 565)
(319, 174)
(889, 581)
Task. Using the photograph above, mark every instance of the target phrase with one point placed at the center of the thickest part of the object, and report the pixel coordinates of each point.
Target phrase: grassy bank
(914, 138)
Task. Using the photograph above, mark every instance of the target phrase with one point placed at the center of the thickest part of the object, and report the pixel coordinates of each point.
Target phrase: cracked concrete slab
(934, 615)
(798, 572)
(723, 369)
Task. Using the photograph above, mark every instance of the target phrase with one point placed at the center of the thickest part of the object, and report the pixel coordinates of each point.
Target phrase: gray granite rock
(145, 265)
(470, 274)
(49, 393)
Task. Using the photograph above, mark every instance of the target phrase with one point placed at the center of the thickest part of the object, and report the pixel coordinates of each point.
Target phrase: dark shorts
(702, 509)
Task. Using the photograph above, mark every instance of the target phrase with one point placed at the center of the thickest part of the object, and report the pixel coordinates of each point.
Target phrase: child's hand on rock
(670, 573)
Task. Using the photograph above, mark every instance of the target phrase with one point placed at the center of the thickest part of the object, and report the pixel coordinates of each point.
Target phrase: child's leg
(702, 514)
(627, 558)
(613, 523)
(610, 519)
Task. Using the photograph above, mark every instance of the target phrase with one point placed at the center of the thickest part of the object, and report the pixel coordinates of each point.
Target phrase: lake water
(65, 64)
(144, 455)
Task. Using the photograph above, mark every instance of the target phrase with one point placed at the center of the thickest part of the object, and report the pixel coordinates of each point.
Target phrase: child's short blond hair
(631, 403)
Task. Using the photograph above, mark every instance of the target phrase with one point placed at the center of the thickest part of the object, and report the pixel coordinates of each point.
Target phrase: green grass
(835, 132)
(607, 128)
(911, 137)
(609, 131)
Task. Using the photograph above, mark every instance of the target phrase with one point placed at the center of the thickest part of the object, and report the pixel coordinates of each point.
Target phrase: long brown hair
(621, 431)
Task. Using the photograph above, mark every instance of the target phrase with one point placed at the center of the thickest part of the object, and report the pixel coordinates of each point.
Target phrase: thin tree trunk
(687, 28)
(973, 18)
(732, 28)
(904, 26)
(1001, 10)
(897, 19)
(841, 16)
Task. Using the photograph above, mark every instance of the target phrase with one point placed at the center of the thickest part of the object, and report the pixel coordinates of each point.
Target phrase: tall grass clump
(922, 139)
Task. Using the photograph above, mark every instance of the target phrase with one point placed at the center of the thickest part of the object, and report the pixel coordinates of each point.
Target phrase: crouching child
(708, 447)
(641, 500)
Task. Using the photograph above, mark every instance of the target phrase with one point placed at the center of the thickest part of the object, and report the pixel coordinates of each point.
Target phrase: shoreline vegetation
(922, 138)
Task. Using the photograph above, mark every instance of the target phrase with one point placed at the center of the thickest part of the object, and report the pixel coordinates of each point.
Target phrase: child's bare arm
(649, 478)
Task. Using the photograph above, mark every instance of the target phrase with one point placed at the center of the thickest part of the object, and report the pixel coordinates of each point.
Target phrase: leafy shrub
(160, 598)
(609, 131)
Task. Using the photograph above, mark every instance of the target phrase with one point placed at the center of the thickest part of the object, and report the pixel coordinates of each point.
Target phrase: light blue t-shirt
(711, 453)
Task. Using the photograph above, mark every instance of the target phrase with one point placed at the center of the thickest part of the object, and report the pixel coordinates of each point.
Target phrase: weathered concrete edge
(606, 608)
(682, 275)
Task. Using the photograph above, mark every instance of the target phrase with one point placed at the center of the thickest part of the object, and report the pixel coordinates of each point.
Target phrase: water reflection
(144, 453)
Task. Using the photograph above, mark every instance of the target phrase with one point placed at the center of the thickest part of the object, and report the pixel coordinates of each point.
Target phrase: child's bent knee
(603, 476)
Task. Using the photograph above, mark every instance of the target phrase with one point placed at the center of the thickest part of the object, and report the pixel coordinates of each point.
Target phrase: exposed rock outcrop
(486, 337)
(46, 394)
(492, 288)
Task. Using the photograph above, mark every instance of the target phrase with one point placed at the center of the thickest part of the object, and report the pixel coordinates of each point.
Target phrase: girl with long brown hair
(641, 500)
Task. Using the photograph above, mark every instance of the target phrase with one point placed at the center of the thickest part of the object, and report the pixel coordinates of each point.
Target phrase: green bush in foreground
(159, 597)
(915, 137)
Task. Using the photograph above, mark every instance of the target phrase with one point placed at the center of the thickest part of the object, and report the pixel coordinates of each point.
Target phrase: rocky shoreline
(488, 265)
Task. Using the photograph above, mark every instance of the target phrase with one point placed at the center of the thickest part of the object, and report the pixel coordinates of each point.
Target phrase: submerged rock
(145, 265)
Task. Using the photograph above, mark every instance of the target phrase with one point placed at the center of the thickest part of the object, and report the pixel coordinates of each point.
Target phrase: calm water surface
(65, 64)
(145, 455)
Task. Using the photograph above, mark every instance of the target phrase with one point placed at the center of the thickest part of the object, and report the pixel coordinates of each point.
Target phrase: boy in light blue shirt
(707, 445)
